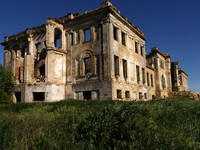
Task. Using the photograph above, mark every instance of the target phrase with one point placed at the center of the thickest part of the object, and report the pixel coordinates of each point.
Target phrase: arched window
(57, 38)
(87, 64)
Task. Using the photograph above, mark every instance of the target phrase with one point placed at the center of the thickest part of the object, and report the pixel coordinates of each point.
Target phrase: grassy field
(73, 124)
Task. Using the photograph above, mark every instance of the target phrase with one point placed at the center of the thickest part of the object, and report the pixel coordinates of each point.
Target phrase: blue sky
(171, 25)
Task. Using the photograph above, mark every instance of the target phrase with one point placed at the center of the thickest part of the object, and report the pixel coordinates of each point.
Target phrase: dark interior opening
(38, 96)
(87, 95)
(18, 96)
(42, 70)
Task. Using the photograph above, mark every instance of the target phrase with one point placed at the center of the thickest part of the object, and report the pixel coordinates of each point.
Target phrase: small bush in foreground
(7, 83)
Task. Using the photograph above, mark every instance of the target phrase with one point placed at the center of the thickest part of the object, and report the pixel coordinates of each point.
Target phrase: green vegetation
(73, 124)
(7, 82)
(175, 88)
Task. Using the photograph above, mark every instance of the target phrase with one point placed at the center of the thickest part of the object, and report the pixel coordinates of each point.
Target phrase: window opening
(163, 82)
(18, 96)
(145, 95)
(155, 62)
(38, 47)
(161, 64)
(141, 49)
(123, 39)
(147, 79)
(116, 59)
(22, 52)
(140, 95)
(87, 95)
(72, 38)
(143, 76)
(38, 96)
(127, 94)
(87, 65)
(119, 93)
(57, 38)
(124, 68)
(115, 33)
(138, 74)
(136, 47)
(87, 35)
(19, 75)
(42, 73)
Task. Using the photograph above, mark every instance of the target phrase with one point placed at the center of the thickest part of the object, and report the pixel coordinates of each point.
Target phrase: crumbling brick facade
(94, 55)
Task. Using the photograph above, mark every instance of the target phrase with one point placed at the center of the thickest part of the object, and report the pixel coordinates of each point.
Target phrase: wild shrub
(7, 83)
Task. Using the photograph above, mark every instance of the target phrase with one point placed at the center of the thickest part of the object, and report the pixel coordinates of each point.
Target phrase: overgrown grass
(73, 124)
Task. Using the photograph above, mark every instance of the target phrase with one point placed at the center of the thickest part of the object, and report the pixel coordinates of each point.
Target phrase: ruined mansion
(98, 54)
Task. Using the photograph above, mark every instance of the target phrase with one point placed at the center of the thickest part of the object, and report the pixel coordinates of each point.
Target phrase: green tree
(7, 83)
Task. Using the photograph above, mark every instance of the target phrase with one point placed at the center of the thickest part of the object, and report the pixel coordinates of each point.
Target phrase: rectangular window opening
(147, 79)
(119, 93)
(86, 35)
(140, 95)
(115, 33)
(138, 74)
(145, 95)
(123, 39)
(116, 64)
(38, 96)
(141, 49)
(72, 38)
(124, 68)
(127, 94)
(87, 95)
(136, 47)
(143, 76)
